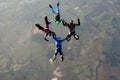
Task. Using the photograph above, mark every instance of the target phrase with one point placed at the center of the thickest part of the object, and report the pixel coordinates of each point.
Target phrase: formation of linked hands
(71, 25)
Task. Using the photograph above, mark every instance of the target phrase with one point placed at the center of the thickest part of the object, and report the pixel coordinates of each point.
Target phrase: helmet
(71, 22)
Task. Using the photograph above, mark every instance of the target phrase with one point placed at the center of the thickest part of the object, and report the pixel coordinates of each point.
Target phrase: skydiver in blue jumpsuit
(58, 42)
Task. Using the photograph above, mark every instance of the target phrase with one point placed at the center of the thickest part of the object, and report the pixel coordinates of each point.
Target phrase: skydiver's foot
(37, 25)
(51, 61)
(76, 37)
(61, 58)
(58, 4)
(50, 5)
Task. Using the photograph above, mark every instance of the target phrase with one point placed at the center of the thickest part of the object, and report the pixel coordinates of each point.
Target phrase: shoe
(51, 61)
(50, 5)
(61, 58)
(76, 37)
(58, 4)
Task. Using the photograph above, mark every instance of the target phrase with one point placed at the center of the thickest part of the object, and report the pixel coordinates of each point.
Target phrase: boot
(58, 4)
(50, 5)
(76, 37)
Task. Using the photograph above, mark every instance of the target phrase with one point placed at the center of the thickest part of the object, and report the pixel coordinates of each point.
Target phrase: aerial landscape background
(24, 54)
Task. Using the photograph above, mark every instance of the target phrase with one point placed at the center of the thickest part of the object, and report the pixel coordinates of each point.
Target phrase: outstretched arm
(63, 40)
(65, 23)
(39, 27)
(45, 37)
(55, 39)
(78, 24)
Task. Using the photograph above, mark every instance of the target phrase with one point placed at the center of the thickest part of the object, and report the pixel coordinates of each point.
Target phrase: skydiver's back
(58, 42)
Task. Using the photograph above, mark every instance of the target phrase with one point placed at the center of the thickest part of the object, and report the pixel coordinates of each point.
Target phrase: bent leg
(55, 54)
(45, 37)
(61, 55)
(76, 37)
(68, 37)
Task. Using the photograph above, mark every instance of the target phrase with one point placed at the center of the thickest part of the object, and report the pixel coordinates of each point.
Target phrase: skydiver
(71, 27)
(46, 29)
(58, 42)
(56, 14)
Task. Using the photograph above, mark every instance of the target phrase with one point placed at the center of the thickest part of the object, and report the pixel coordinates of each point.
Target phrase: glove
(78, 19)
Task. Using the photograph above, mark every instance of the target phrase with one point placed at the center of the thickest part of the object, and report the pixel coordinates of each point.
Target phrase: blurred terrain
(24, 54)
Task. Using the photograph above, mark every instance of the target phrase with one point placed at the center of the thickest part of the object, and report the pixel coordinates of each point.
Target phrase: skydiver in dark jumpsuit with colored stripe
(46, 29)
(71, 27)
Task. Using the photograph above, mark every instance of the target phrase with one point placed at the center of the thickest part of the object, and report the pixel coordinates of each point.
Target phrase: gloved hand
(46, 39)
